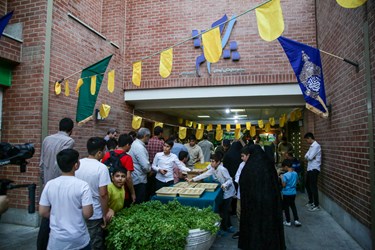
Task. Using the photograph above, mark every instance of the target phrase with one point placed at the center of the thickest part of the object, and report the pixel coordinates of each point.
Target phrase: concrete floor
(318, 231)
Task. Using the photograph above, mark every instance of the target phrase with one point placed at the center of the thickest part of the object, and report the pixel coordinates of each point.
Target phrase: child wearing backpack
(116, 190)
(289, 183)
(119, 158)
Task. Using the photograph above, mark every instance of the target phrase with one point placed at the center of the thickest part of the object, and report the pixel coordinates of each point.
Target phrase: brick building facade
(131, 30)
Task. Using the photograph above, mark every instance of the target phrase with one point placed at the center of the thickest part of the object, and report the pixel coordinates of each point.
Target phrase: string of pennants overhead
(295, 115)
(305, 60)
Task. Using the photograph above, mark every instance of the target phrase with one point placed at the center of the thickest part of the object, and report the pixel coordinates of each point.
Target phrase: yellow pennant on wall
(67, 90)
(281, 121)
(218, 127)
(79, 84)
(180, 120)
(199, 134)
(253, 131)
(57, 88)
(292, 116)
(137, 73)
(219, 134)
(188, 123)
(237, 133)
(166, 61)
(350, 4)
(248, 125)
(272, 121)
(182, 133)
(93, 85)
(194, 125)
(111, 81)
(211, 42)
(136, 122)
(270, 20)
(209, 127)
(104, 110)
(267, 128)
(298, 114)
(260, 124)
(160, 124)
(200, 126)
(228, 127)
(238, 126)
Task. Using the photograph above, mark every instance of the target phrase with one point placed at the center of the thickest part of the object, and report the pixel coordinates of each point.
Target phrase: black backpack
(114, 161)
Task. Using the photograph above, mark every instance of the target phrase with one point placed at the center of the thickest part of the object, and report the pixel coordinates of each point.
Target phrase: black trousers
(140, 193)
(224, 212)
(288, 201)
(43, 235)
(160, 184)
(312, 186)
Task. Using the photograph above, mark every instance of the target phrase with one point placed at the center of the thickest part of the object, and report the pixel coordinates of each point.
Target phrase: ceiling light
(203, 116)
(241, 116)
(235, 121)
(237, 110)
(235, 117)
(227, 111)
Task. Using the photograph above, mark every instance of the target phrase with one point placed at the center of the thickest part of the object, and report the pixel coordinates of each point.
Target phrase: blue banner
(4, 20)
(307, 66)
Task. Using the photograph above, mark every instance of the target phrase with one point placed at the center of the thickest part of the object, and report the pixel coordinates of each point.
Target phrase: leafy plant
(153, 225)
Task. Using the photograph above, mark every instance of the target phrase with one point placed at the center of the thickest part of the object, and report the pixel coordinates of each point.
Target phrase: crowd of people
(81, 195)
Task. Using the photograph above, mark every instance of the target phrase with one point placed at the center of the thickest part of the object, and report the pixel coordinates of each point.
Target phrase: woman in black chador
(261, 222)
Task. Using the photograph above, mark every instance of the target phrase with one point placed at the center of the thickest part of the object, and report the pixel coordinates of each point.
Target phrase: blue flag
(307, 66)
(4, 20)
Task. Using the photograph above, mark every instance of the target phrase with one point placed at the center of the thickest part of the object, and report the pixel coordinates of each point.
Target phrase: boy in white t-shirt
(96, 174)
(67, 201)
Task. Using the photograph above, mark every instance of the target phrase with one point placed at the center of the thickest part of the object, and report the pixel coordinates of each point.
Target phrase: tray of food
(181, 184)
(211, 187)
(192, 192)
(168, 191)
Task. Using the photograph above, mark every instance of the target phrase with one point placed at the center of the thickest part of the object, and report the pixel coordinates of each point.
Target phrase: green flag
(86, 101)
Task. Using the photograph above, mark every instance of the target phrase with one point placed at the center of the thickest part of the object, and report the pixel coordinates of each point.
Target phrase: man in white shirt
(67, 201)
(163, 164)
(314, 159)
(96, 174)
(207, 147)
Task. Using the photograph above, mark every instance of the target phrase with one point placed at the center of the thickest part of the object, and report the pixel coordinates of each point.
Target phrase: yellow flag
(248, 125)
(188, 123)
(136, 123)
(298, 114)
(67, 90)
(166, 61)
(137, 73)
(350, 4)
(238, 126)
(104, 110)
(237, 133)
(79, 84)
(209, 127)
(219, 134)
(218, 127)
(182, 133)
(57, 88)
(281, 121)
(93, 85)
(199, 134)
(194, 125)
(292, 116)
(111, 81)
(211, 42)
(160, 124)
(228, 127)
(180, 120)
(272, 121)
(270, 20)
(200, 126)
(253, 131)
(267, 128)
(260, 124)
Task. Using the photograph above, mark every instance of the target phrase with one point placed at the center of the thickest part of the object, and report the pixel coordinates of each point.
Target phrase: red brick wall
(155, 25)
(344, 136)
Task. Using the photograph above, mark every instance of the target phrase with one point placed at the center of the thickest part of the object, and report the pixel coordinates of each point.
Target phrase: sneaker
(221, 233)
(297, 223)
(236, 235)
(231, 230)
(309, 205)
(314, 208)
(288, 224)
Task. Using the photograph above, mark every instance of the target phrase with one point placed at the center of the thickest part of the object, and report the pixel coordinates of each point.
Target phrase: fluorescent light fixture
(227, 111)
(237, 110)
(235, 121)
(203, 116)
(235, 117)
(241, 116)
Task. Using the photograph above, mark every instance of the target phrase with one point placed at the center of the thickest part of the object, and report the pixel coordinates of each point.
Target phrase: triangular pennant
(218, 127)
(57, 88)
(166, 62)
(270, 20)
(199, 134)
(67, 90)
(237, 133)
(180, 120)
(272, 121)
(267, 128)
(194, 125)
(137, 73)
(79, 84)
(182, 133)
(350, 4)
(248, 125)
(253, 131)
(136, 122)
(281, 121)
(93, 85)
(111, 81)
(238, 126)
(188, 123)
(104, 110)
(219, 134)
(212, 49)
(227, 127)
(209, 127)
(200, 126)
(292, 116)
(260, 123)
(158, 124)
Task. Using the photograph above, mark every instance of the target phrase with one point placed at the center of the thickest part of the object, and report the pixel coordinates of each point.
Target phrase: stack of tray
(207, 186)
(192, 192)
(169, 191)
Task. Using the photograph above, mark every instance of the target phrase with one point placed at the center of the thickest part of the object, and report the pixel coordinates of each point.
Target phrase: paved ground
(318, 231)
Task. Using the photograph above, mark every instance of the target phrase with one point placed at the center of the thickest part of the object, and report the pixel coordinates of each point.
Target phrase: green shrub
(153, 225)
